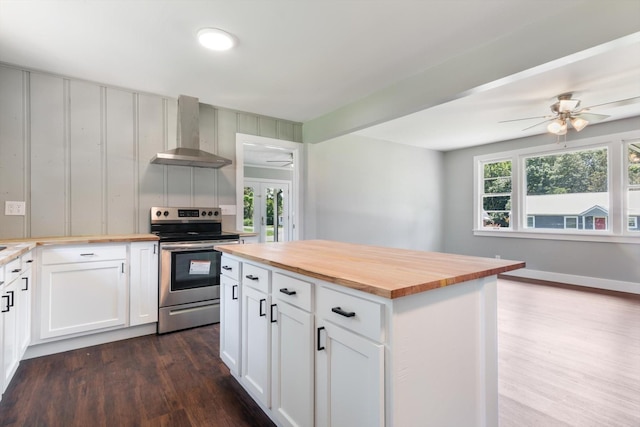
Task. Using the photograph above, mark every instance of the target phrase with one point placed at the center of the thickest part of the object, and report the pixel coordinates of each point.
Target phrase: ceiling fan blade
(619, 103)
(538, 124)
(525, 118)
(591, 117)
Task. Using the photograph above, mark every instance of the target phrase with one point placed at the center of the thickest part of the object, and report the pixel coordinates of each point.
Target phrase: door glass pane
(249, 204)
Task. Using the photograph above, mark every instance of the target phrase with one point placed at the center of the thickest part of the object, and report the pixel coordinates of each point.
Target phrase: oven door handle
(185, 248)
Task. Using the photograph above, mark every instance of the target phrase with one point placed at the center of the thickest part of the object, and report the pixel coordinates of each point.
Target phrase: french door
(266, 210)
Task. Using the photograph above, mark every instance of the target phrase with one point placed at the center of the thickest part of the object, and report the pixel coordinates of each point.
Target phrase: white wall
(610, 261)
(362, 190)
(78, 153)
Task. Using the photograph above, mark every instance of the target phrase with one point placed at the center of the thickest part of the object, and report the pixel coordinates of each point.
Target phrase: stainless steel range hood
(188, 152)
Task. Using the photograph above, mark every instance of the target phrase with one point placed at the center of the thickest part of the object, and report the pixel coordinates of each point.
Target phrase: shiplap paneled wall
(78, 153)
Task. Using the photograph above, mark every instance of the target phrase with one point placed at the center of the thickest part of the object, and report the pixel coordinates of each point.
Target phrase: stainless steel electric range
(189, 276)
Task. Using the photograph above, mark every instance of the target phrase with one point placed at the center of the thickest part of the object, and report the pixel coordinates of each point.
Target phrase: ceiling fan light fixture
(216, 39)
(557, 127)
(579, 123)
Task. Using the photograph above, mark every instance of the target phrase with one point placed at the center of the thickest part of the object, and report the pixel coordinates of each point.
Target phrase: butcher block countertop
(386, 272)
(17, 247)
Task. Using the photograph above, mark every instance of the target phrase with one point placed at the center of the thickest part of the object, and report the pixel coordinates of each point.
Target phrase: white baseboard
(59, 346)
(570, 279)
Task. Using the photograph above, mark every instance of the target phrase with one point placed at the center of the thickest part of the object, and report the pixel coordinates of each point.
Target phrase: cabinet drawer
(255, 277)
(84, 253)
(12, 271)
(26, 261)
(230, 268)
(291, 290)
(359, 315)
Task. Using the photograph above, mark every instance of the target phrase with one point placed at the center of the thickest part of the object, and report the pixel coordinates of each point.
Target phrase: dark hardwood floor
(167, 380)
(567, 358)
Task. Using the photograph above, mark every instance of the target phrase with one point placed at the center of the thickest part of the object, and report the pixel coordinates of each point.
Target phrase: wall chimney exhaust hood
(188, 152)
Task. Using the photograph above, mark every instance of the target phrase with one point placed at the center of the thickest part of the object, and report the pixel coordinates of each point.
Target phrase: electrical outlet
(14, 208)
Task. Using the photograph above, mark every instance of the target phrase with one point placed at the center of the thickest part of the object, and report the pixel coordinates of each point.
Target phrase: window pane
(634, 164)
(248, 210)
(633, 218)
(496, 219)
(497, 185)
(497, 169)
(568, 190)
(496, 203)
(496, 198)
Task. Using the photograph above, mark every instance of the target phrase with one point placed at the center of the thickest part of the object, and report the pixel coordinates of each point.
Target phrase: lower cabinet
(230, 317)
(10, 353)
(143, 283)
(256, 344)
(349, 378)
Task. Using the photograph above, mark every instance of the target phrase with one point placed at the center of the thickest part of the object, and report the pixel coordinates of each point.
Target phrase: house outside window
(581, 190)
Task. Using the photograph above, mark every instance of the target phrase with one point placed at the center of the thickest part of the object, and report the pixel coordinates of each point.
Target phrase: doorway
(266, 210)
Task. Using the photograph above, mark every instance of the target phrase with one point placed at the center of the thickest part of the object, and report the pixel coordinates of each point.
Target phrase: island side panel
(442, 357)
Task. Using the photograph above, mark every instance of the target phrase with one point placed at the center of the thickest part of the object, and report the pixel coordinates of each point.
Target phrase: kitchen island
(329, 333)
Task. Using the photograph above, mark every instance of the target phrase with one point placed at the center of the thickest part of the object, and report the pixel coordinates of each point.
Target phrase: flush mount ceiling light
(215, 39)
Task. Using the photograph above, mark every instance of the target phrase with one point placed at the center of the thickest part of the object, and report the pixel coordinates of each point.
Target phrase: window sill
(605, 237)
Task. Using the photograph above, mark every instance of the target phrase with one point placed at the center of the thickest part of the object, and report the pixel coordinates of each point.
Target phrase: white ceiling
(299, 60)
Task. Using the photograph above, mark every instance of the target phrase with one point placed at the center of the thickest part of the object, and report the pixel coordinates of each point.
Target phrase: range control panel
(167, 214)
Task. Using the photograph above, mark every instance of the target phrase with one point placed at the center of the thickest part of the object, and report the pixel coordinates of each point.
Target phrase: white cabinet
(143, 283)
(349, 366)
(256, 333)
(82, 289)
(292, 357)
(230, 314)
(8, 304)
(24, 292)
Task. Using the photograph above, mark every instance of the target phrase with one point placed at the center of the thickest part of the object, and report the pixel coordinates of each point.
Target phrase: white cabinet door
(230, 324)
(256, 344)
(143, 283)
(349, 379)
(11, 355)
(23, 296)
(292, 365)
(82, 297)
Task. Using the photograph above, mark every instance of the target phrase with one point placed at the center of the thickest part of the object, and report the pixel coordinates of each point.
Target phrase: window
(582, 190)
(633, 185)
(496, 194)
(571, 185)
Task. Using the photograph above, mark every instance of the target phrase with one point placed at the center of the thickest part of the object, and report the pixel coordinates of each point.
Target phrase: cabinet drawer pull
(1, 282)
(17, 270)
(287, 291)
(226, 267)
(318, 347)
(265, 309)
(8, 307)
(341, 312)
(88, 254)
(252, 277)
(273, 318)
(26, 283)
(234, 292)
(29, 261)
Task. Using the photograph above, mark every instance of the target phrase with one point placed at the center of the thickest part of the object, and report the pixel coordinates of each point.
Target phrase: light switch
(14, 208)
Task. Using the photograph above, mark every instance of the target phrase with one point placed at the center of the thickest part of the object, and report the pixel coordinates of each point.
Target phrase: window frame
(628, 188)
(618, 188)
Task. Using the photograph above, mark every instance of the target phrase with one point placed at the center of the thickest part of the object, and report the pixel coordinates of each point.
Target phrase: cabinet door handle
(234, 292)
(11, 301)
(318, 347)
(227, 268)
(252, 277)
(155, 249)
(88, 254)
(341, 312)
(8, 307)
(273, 318)
(287, 291)
(265, 308)
(26, 283)
(122, 267)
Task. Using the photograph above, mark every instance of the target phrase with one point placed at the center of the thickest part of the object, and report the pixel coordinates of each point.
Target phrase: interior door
(267, 210)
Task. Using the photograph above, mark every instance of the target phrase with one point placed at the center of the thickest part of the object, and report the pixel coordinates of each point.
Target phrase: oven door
(189, 272)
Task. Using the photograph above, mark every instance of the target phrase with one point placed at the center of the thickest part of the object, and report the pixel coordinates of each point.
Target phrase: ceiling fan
(567, 111)
(284, 162)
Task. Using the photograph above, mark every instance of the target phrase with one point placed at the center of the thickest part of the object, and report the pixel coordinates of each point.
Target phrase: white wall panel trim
(26, 138)
(66, 114)
(103, 160)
